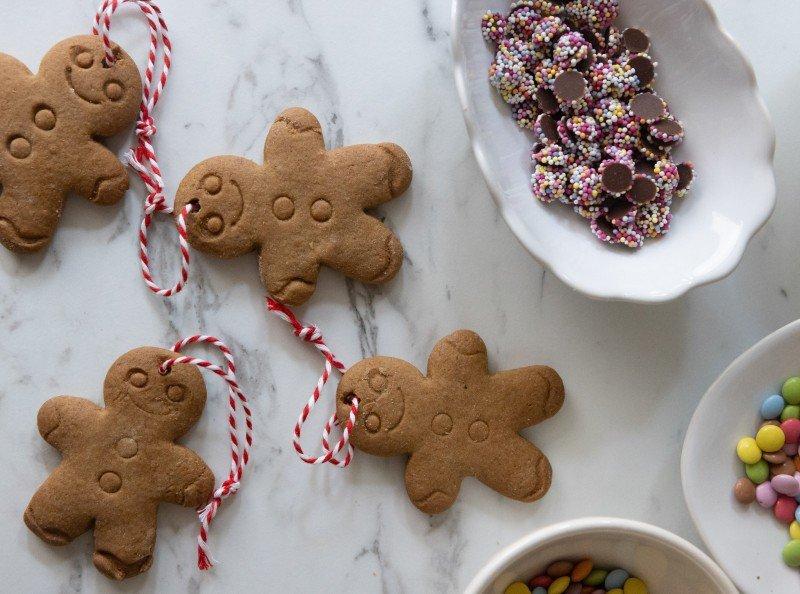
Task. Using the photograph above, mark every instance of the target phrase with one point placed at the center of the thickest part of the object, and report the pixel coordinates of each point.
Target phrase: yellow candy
(559, 585)
(634, 586)
(794, 530)
(770, 438)
(615, 591)
(517, 588)
(748, 451)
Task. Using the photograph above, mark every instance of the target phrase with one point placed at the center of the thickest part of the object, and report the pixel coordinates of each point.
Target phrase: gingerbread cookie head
(172, 401)
(120, 462)
(50, 123)
(106, 95)
(460, 420)
(305, 207)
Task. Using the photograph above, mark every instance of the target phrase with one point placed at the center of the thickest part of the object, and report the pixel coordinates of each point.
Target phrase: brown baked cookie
(120, 462)
(303, 208)
(50, 123)
(457, 421)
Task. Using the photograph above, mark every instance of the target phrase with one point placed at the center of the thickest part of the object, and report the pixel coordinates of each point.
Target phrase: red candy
(791, 429)
(541, 580)
(784, 509)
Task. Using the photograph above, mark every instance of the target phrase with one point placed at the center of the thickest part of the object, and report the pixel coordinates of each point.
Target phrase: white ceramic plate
(745, 540)
(667, 563)
(710, 86)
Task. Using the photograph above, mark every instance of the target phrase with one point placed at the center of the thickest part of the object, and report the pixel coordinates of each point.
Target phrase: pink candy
(785, 485)
(766, 495)
(790, 449)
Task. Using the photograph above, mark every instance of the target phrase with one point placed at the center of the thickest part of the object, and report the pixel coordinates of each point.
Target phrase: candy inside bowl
(706, 81)
(749, 540)
(665, 562)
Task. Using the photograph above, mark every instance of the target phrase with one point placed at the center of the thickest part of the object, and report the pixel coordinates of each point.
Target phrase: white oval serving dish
(710, 86)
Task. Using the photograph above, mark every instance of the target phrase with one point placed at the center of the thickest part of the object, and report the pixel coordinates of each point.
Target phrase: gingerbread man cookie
(457, 421)
(303, 208)
(50, 123)
(120, 462)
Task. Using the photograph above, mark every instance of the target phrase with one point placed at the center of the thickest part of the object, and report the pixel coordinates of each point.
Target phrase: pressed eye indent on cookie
(137, 377)
(176, 393)
(213, 224)
(321, 210)
(372, 423)
(212, 184)
(114, 90)
(84, 59)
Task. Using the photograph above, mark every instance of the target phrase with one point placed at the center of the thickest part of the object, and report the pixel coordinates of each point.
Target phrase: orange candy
(581, 570)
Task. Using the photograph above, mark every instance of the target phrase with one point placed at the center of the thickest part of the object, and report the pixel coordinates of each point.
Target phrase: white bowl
(745, 540)
(711, 87)
(667, 563)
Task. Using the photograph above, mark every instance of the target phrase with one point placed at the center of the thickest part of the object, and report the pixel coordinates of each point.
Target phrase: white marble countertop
(633, 373)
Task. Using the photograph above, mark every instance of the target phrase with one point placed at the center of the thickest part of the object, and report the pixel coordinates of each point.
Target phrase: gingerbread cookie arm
(513, 467)
(375, 173)
(62, 421)
(124, 538)
(294, 140)
(459, 356)
(432, 482)
(527, 395)
(98, 174)
(366, 251)
(191, 481)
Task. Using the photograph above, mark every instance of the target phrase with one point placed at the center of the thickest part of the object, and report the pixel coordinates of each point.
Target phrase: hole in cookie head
(194, 203)
(348, 398)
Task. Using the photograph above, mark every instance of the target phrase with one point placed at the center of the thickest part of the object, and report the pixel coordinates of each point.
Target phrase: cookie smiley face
(173, 400)
(304, 208)
(458, 421)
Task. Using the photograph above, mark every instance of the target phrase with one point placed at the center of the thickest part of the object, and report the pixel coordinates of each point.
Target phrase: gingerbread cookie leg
(366, 251)
(124, 539)
(28, 218)
(58, 512)
(289, 272)
(431, 482)
(514, 467)
(102, 179)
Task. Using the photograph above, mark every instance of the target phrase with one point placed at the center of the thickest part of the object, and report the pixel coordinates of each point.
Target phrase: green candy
(758, 472)
(791, 553)
(598, 576)
(790, 412)
(791, 390)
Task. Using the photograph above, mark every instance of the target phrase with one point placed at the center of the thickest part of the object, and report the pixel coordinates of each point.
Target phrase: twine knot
(146, 128)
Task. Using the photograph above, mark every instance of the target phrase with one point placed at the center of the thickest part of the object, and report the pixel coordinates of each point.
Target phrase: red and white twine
(240, 453)
(311, 334)
(142, 157)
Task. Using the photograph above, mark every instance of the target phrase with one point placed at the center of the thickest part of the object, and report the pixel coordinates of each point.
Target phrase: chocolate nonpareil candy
(120, 462)
(50, 123)
(459, 420)
(303, 208)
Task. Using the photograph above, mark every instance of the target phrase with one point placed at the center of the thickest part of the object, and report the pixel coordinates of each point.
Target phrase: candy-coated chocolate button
(794, 530)
(772, 407)
(584, 568)
(745, 491)
(616, 578)
(748, 451)
(559, 568)
(559, 585)
(758, 472)
(791, 553)
(517, 588)
(634, 586)
(791, 411)
(791, 390)
(596, 577)
(770, 438)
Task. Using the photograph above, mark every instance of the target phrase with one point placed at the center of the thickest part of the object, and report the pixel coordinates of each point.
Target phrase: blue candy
(797, 514)
(539, 590)
(616, 579)
(772, 407)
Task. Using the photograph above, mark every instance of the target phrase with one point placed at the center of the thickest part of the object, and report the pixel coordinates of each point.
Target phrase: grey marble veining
(371, 71)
